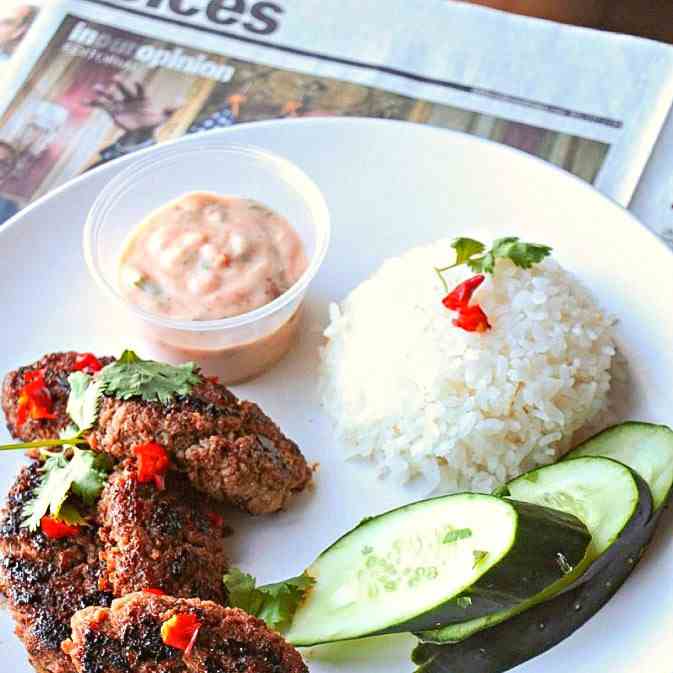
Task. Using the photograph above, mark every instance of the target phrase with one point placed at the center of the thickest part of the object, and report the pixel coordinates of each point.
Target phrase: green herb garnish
(152, 381)
(84, 400)
(273, 603)
(479, 556)
(455, 535)
(474, 254)
(83, 474)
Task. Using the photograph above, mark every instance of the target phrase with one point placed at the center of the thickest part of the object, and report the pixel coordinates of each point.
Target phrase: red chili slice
(153, 463)
(472, 319)
(217, 520)
(461, 295)
(55, 529)
(34, 398)
(156, 592)
(87, 362)
(181, 631)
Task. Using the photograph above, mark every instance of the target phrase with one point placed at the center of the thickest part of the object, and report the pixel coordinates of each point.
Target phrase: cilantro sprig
(273, 603)
(83, 474)
(151, 381)
(480, 260)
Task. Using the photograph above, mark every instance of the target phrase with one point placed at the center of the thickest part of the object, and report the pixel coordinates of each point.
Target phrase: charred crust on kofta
(228, 640)
(45, 581)
(173, 540)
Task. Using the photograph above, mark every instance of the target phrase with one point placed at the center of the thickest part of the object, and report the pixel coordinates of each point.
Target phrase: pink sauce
(206, 257)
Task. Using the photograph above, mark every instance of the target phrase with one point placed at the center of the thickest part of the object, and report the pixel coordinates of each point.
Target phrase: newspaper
(83, 82)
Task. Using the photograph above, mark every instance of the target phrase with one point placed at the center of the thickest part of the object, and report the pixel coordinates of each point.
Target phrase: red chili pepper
(181, 631)
(217, 520)
(153, 463)
(55, 529)
(156, 592)
(461, 295)
(472, 319)
(213, 379)
(87, 362)
(34, 398)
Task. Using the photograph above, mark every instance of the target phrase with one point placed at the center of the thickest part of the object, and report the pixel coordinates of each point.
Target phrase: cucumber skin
(599, 437)
(508, 582)
(520, 574)
(515, 641)
(641, 515)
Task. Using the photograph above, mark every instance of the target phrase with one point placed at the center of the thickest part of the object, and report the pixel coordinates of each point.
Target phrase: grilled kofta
(132, 635)
(50, 376)
(172, 540)
(44, 580)
(229, 448)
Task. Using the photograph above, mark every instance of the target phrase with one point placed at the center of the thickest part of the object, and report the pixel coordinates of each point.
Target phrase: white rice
(427, 401)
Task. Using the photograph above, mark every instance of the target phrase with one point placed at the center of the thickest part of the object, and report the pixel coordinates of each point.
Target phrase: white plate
(390, 186)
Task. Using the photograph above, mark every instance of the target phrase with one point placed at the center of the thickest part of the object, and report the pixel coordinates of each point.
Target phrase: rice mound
(425, 400)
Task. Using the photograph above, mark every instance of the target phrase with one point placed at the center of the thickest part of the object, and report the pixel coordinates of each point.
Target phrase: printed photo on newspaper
(113, 77)
(98, 93)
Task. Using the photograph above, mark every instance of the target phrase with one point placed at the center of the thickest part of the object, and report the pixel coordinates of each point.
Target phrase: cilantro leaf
(50, 494)
(71, 516)
(84, 400)
(282, 600)
(84, 475)
(484, 264)
(242, 591)
(88, 473)
(274, 603)
(466, 248)
(152, 381)
(524, 255)
(458, 534)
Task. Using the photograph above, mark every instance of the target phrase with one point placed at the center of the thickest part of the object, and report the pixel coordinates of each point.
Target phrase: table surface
(647, 18)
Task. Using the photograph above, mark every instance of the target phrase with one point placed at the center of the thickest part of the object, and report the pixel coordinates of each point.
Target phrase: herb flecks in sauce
(207, 257)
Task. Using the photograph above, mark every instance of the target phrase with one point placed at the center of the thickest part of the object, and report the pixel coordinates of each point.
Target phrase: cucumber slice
(644, 447)
(605, 495)
(435, 562)
(534, 631)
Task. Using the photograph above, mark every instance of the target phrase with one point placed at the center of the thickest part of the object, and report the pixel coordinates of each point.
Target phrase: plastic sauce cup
(238, 348)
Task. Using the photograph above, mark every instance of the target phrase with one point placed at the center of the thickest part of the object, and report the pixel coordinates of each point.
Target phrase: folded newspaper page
(86, 81)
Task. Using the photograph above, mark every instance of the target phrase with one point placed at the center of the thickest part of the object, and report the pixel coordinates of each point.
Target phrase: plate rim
(345, 121)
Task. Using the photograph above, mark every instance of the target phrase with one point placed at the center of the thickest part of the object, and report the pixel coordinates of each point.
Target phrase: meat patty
(45, 581)
(126, 638)
(173, 540)
(57, 367)
(229, 448)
